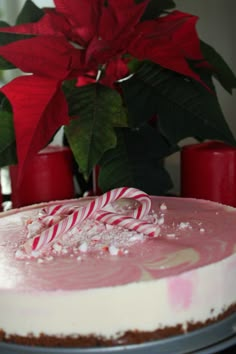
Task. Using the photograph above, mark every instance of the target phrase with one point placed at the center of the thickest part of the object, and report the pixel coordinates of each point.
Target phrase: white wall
(42, 3)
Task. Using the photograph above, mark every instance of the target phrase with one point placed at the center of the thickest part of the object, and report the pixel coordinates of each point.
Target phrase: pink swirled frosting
(192, 234)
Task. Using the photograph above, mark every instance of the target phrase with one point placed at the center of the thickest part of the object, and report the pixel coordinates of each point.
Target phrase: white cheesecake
(104, 285)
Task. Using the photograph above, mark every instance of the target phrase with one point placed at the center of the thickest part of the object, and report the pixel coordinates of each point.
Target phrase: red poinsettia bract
(77, 39)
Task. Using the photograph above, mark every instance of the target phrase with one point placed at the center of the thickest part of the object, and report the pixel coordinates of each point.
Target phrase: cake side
(136, 312)
(129, 337)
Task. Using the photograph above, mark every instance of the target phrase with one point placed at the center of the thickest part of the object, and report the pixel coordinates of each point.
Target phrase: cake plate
(211, 339)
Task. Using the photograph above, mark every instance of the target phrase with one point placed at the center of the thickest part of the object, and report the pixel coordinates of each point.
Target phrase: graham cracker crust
(129, 337)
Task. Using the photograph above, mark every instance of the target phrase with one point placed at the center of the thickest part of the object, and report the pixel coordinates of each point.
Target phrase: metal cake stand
(211, 339)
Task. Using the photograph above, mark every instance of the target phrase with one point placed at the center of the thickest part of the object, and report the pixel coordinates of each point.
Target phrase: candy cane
(128, 223)
(107, 198)
(83, 212)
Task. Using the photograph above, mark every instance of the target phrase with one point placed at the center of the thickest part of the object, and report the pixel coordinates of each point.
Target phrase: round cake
(103, 283)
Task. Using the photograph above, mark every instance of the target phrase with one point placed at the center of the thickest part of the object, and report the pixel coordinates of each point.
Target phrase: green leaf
(98, 109)
(7, 140)
(157, 7)
(140, 100)
(134, 64)
(222, 73)
(185, 107)
(5, 65)
(4, 24)
(137, 161)
(5, 104)
(6, 38)
(29, 13)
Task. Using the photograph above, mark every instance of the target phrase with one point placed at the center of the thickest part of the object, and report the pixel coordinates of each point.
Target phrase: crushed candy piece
(163, 206)
(49, 258)
(83, 247)
(113, 250)
(57, 247)
(161, 220)
(184, 225)
(171, 235)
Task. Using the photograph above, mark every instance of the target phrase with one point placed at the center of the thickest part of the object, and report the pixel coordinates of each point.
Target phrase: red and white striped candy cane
(128, 223)
(83, 212)
(105, 199)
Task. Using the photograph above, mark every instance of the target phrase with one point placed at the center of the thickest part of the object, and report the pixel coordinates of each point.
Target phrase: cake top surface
(193, 233)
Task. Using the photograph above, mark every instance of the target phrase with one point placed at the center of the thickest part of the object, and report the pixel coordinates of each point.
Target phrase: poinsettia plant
(126, 79)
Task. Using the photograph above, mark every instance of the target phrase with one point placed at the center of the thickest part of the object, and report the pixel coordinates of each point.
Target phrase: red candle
(208, 171)
(48, 176)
